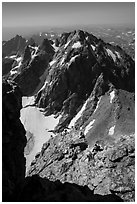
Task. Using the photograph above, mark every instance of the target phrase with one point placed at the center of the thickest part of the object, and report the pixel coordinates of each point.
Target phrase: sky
(25, 17)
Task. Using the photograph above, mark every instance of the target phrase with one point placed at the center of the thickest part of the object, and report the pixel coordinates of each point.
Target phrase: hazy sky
(17, 15)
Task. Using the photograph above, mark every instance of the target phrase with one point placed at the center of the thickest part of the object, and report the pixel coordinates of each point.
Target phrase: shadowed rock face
(6, 65)
(37, 189)
(33, 67)
(14, 46)
(13, 139)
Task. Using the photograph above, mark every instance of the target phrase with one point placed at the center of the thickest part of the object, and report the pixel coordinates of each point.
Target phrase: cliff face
(13, 139)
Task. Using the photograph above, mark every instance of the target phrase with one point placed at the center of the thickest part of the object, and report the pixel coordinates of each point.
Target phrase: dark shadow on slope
(36, 189)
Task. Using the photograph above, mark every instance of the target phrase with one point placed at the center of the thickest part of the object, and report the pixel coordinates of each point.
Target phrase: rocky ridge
(83, 67)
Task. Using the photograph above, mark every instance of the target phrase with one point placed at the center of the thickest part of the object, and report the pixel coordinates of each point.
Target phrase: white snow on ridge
(15, 69)
(89, 126)
(67, 44)
(111, 130)
(52, 62)
(110, 53)
(19, 59)
(55, 47)
(12, 57)
(93, 47)
(118, 55)
(13, 72)
(62, 60)
(112, 95)
(78, 115)
(73, 58)
(35, 53)
(76, 45)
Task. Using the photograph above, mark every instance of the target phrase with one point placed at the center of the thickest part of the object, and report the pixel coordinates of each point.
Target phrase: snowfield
(111, 130)
(39, 125)
(79, 114)
(93, 47)
(112, 96)
(110, 53)
(76, 45)
(89, 126)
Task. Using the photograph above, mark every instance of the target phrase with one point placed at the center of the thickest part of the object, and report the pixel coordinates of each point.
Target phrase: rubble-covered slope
(106, 168)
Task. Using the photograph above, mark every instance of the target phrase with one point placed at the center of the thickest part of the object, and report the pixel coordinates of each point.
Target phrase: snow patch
(55, 47)
(110, 53)
(19, 59)
(13, 72)
(67, 44)
(62, 60)
(89, 126)
(118, 55)
(35, 52)
(111, 130)
(76, 45)
(12, 57)
(27, 101)
(73, 58)
(87, 38)
(79, 114)
(93, 47)
(52, 62)
(112, 95)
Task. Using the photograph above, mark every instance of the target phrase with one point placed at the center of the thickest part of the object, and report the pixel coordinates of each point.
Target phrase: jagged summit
(75, 73)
